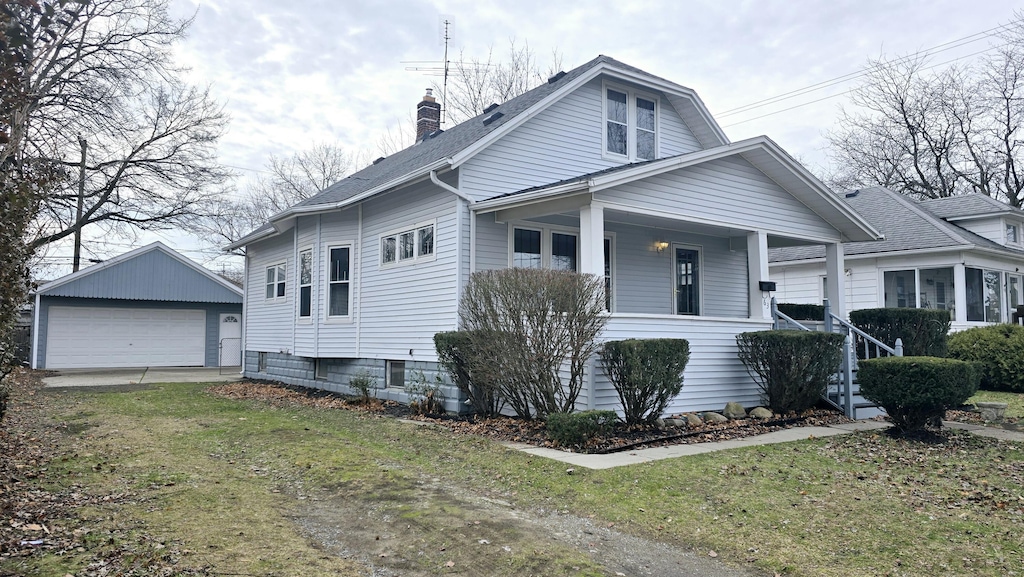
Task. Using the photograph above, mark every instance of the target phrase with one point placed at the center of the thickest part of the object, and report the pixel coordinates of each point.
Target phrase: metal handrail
(896, 351)
(777, 315)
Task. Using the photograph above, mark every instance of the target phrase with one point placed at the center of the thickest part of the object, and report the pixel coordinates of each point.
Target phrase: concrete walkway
(623, 458)
(142, 375)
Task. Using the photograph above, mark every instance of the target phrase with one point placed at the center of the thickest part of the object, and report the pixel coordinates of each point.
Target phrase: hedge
(924, 331)
(802, 312)
(792, 367)
(646, 373)
(575, 429)
(454, 353)
(998, 349)
(916, 391)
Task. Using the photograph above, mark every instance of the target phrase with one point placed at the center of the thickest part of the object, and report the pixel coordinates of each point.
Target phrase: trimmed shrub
(575, 429)
(455, 353)
(916, 391)
(802, 312)
(998, 349)
(924, 331)
(646, 374)
(792, 368)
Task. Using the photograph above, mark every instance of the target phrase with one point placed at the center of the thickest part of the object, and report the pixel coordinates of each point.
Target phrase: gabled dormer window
(630, 124)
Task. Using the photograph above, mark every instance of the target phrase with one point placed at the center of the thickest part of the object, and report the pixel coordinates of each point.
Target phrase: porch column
(592, 239)
(757, 271)
(835, 271)
(960, 293)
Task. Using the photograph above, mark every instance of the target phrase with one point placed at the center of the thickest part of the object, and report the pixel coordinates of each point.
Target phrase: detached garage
(151, 307)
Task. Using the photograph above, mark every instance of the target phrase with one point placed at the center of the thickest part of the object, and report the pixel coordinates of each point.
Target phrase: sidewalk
(591, 461)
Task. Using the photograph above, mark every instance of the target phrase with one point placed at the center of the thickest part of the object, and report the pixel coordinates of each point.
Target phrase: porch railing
(857, 344)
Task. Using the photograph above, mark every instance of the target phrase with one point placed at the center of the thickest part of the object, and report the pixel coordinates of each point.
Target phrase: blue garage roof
(153, 272)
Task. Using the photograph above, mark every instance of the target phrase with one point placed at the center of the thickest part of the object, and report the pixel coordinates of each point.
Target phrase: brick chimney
(428, 116)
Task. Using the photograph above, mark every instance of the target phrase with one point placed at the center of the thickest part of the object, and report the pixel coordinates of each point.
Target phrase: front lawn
(210, 486)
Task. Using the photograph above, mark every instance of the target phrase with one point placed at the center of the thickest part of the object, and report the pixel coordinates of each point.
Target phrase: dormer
(982, 215)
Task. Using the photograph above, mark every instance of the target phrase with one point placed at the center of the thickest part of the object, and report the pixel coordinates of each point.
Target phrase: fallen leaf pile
(36, 518)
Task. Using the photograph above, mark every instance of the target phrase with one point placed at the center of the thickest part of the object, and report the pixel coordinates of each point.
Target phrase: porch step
(862, 408)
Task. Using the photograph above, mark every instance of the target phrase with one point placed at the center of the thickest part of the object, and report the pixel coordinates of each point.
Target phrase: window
(275, 281)
(526, 248)
(1013, 285)
(407, 245)
(544, 249)
(563, 251)
(306, 283)
(900, 289)
(261, 362)
(631, 124)
(320, 370)
(1012, 234)
(687, 283)
(984, 295)
(395, 374)
(338, 282)
(608, 274)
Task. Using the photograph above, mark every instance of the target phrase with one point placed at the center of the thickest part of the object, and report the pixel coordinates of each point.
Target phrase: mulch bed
(529, 432)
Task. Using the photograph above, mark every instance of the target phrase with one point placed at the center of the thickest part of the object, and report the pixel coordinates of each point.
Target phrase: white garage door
(84, 337)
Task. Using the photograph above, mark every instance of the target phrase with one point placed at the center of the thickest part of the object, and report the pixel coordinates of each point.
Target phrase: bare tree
(474, 83)
(288, 181)
(109, 82)
(933, 134)
(27, 28)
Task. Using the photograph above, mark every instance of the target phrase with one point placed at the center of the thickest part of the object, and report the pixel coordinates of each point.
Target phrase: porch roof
(761, 152)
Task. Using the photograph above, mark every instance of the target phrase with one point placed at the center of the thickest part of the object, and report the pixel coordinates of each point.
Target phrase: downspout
(35, 333)
(359, 283)
(460, 281)
(295, 267)
(316, 282)
(245, 305)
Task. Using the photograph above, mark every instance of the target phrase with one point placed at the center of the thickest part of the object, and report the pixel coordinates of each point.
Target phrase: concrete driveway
(138, 376)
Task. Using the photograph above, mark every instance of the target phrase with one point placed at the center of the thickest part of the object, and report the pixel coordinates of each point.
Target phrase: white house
(963, 254)
(607, 170)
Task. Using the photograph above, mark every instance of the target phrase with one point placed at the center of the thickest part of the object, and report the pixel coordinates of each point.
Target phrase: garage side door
(88, 337)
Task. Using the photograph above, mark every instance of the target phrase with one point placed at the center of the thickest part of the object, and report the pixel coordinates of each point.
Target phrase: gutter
(407, 178)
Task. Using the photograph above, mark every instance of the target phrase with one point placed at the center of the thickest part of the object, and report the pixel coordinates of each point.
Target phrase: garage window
(275, 281)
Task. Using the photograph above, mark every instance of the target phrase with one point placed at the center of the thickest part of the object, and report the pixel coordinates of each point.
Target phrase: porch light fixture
(660, 245)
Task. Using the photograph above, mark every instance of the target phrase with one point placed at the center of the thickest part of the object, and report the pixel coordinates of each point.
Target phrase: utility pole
(78, 213)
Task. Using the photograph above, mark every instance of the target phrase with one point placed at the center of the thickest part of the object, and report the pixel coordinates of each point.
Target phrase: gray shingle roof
(906, 224)
(449, 142)
(966, 205)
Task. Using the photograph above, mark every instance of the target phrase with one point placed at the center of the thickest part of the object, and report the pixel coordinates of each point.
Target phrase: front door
(687, 281)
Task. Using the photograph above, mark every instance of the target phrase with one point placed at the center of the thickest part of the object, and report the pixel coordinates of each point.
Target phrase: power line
(849, 90)
(959, 42)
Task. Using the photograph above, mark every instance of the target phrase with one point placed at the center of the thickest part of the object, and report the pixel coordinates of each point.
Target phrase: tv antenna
(432, 68)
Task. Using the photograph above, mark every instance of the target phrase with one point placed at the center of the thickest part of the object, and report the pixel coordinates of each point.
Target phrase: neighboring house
(150, 307)
(606, 170)
(963, 254)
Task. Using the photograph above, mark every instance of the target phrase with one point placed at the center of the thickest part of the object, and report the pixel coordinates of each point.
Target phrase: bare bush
(527, 325)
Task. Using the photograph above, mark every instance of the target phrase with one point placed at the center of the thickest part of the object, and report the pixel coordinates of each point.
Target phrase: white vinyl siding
(414, 301)
(729, 191)
(338, 339)
(992, 228)
(266, 321)
(714, 372)
(563, 141)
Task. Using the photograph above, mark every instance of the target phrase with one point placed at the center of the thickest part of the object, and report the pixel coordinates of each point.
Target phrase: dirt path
(432, 529)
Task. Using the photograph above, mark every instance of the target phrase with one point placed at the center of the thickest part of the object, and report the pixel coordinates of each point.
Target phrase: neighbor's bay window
(338, 290)
(984, 295)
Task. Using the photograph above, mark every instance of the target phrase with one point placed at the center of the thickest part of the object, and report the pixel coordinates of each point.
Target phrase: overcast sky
(292, 74)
